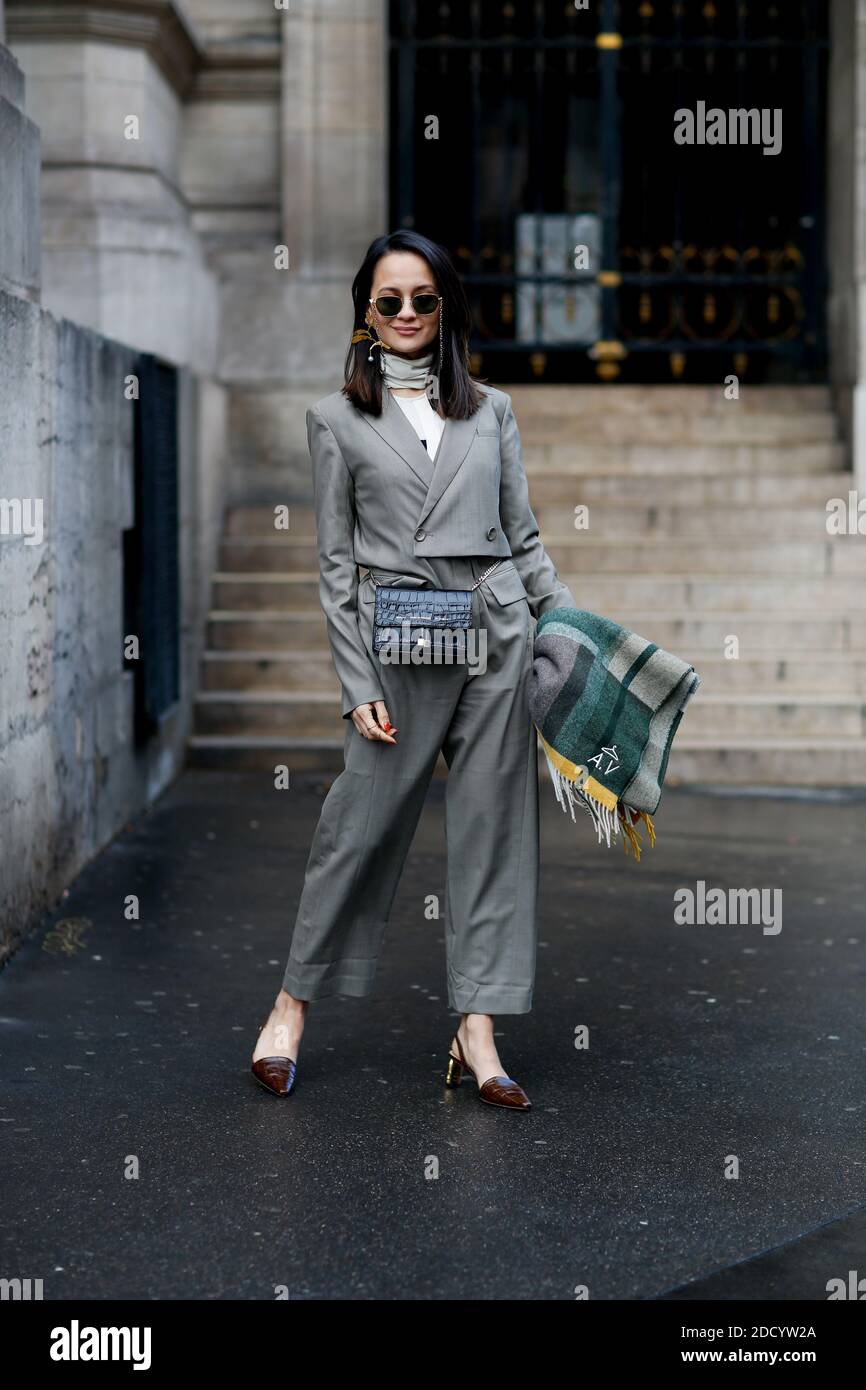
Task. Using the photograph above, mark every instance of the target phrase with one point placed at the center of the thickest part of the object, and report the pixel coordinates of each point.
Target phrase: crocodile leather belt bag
(410, 620)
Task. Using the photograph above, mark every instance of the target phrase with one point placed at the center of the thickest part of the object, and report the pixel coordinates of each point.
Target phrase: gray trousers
(481, 723)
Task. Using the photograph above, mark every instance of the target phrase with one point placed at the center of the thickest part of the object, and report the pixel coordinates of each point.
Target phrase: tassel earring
(362, 335)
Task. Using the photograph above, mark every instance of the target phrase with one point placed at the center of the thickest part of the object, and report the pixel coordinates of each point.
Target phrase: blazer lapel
(398, 434)
(453, 448)
(436, 474)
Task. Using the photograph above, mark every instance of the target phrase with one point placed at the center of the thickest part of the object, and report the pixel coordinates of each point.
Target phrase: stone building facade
(198, 179)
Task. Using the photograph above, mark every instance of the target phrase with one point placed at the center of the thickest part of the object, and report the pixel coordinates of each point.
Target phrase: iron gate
(536, 141)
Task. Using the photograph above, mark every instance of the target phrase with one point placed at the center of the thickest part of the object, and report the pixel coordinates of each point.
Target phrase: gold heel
(454, 1074)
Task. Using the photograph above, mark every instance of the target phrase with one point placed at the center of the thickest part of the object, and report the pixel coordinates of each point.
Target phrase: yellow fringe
(574, 772)
(590, 787)
(631, 837)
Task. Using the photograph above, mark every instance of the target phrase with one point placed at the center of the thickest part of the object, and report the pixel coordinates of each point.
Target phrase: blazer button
(420, 534)
(491, 533)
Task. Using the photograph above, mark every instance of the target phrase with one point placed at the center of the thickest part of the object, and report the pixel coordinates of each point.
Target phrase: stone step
(741, 714)
(684, 460)
(264, 630)
(804, 635)
(623, 520)
(639, 491)
(584, 551)
(600, 593)
(707, 518)
(780, 675)
(531, 401)
(291, 714)
(612, 594)
(268, 670)
(746, 762)
(258, 484)
(586, 554)
(267, 554)
(567, 489)
(276, 670)
(729, 427)
(234, 753)
(791, 632)
(259, 521)
(767, 762)
(274, 592)
(308, 714)
(627, 522)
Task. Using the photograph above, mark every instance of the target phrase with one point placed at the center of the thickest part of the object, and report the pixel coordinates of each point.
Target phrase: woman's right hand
(373, 722)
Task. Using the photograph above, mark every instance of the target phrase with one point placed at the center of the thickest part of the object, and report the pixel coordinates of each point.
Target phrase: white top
(423, 418)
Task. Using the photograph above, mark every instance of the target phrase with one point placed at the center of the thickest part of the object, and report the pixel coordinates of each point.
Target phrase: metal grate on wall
(536, 140)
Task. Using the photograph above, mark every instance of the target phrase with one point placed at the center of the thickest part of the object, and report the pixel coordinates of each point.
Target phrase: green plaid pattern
(607, 703)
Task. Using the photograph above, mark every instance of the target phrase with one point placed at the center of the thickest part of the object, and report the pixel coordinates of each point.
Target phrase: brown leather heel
(276, 1074)
(497, 1090)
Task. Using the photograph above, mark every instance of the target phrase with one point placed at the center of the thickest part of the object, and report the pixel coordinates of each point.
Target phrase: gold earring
(363, 335)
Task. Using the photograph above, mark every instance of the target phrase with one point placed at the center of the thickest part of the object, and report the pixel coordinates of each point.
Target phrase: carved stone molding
(157, 26)
(240, 70)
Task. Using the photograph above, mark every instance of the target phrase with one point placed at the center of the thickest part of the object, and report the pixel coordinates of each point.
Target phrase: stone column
(19, 181)
(106, 82)
(335, 106)
(846, 223)
(287, 331)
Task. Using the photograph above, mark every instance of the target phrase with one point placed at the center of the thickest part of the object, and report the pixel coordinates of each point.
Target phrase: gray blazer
(383, 503)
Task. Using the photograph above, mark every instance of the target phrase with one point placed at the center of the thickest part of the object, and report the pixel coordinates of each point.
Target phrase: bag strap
(485, 574)
(478, 582)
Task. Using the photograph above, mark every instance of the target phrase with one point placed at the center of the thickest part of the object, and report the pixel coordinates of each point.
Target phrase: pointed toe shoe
(276, 1074)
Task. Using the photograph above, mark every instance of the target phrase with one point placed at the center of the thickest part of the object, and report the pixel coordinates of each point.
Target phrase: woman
(425, 497)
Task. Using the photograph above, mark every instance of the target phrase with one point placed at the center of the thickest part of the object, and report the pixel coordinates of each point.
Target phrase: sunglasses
(389, 305)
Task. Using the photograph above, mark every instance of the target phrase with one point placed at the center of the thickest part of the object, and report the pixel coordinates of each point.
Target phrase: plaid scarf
(606, 704)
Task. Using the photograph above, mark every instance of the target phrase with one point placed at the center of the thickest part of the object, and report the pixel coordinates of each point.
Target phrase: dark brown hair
(459, 397)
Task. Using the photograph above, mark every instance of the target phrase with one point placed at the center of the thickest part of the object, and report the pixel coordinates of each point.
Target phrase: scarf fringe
(606, 820)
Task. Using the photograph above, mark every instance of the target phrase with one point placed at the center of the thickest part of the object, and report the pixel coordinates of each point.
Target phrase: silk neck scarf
(406, 371)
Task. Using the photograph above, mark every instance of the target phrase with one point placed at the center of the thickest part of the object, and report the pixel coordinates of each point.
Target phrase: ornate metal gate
(599, 234)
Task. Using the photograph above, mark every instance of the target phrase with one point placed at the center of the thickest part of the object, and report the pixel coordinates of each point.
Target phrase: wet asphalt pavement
(126, 1047)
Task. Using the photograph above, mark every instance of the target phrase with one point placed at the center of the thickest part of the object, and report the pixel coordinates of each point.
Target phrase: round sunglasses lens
(388, 305)
(425, 303)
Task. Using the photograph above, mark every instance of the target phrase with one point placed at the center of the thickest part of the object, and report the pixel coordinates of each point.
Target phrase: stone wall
(106, 85)
(70, 775)
(19, 143)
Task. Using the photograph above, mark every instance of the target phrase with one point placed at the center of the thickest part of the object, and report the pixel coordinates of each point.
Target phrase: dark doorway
(152, 598)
